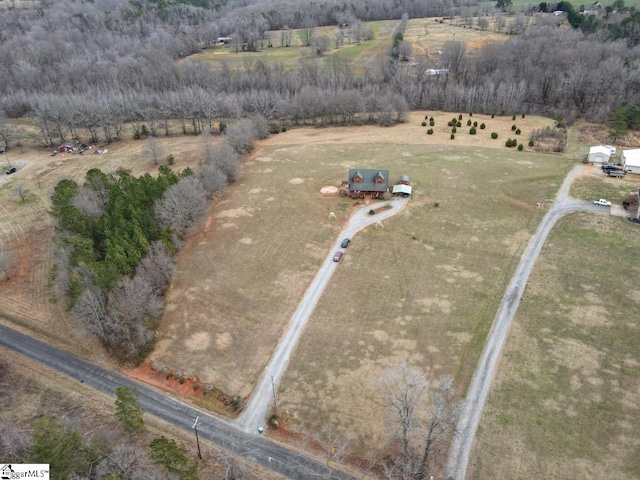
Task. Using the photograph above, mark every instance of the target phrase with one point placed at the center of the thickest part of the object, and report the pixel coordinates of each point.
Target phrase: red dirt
(184, 386)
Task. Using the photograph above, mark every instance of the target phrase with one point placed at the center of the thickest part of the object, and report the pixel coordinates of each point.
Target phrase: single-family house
(599, 154)
(631, 160)
(368, 183)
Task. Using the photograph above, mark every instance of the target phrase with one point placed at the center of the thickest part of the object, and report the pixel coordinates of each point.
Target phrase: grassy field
(565, 400)
(427, 36)
(424, 288)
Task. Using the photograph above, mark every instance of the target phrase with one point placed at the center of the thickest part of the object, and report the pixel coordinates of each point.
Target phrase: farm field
(426, 35)
(426, 286)
(564, 403)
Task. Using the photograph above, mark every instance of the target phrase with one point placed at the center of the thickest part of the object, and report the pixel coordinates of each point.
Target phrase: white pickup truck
(602, 202)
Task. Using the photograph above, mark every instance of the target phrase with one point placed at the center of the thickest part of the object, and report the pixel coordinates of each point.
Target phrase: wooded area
(88, 76)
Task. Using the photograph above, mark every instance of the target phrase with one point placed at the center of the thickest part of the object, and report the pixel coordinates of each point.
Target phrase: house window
(379, 179)
(357, 179)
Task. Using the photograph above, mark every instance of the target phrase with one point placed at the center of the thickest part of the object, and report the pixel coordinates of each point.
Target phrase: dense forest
(119, 61)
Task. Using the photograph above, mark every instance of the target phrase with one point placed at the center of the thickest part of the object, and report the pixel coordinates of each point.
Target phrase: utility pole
(275, 400)
(195, 428)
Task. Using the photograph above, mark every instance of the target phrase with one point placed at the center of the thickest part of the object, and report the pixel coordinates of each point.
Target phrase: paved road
(254, 414)
(479, 389)
(255, 448)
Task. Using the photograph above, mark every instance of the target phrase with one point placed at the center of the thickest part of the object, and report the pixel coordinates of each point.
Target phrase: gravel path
(479, 389)
(254, 414)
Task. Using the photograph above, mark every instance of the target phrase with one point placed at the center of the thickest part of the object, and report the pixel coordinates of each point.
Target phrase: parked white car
(602, 202)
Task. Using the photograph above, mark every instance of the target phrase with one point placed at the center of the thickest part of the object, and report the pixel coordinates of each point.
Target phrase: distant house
(631, 160)
(368, 183)
(599, 154)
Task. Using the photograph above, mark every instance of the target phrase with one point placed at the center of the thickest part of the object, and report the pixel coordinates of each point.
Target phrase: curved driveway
(479, 389)
(254, 414)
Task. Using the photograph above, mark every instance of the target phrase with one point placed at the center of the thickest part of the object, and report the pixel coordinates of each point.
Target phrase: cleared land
(565, 400)
(426, 35)
(426, 286)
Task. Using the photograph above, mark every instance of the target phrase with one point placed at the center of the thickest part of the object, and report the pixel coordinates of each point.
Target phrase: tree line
(88, 77)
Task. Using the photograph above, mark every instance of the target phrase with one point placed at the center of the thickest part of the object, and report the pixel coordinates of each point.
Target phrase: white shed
(631, 160)
(599, 154)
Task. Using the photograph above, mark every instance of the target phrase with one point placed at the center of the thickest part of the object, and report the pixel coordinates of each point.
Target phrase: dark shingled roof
(369, 180)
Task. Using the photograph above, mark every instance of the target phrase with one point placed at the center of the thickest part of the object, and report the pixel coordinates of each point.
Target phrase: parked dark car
(345, 243)
(11, 170)
(338, 256)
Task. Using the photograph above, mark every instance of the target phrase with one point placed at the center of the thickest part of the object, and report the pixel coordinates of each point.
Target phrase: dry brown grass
(565, 399)
(425, 287)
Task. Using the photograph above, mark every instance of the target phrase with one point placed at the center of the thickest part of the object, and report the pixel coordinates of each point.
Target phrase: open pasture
(426, 35)
(426, 287)
(565, 400)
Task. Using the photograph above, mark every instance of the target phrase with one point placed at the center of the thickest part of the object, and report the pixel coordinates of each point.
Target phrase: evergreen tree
(128, 409)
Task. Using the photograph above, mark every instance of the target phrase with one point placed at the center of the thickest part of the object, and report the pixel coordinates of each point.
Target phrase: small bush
(182, 380)
(436, 204)
(518, 131)
(494, 135)
(459, 124)
(460, 117)
(169, 376)
(372, 212)
(424, 124)
(450, 124)
(513, 128)
(482, 126)
(171, 160)
(454, 130)
(426, 117)
(453, 136)
(430, 131)
(431, 123)
(237, 403)
(523, 115)
(196, 387)
(471, 114)
(431, 119)
(144, 131)
(493, 115)
(475, 124)
(284, 129)
(511, 143)
(531, 143)
(274, 129)
(472, 131)
(514, 117)
(520, 147)
(223, 127)
(469, 123)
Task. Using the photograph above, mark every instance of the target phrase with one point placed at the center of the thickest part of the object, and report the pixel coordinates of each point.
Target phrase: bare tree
(404, 390)
(405, 50)
(7, 260)
(182, 204)
(14, 443)
(127, 461)
(321, 43)
(89, 201)
(154, 150)
(443, 419)
(21, 192)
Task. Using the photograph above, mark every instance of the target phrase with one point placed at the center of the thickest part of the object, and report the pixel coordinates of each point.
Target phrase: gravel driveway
(479, 389)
